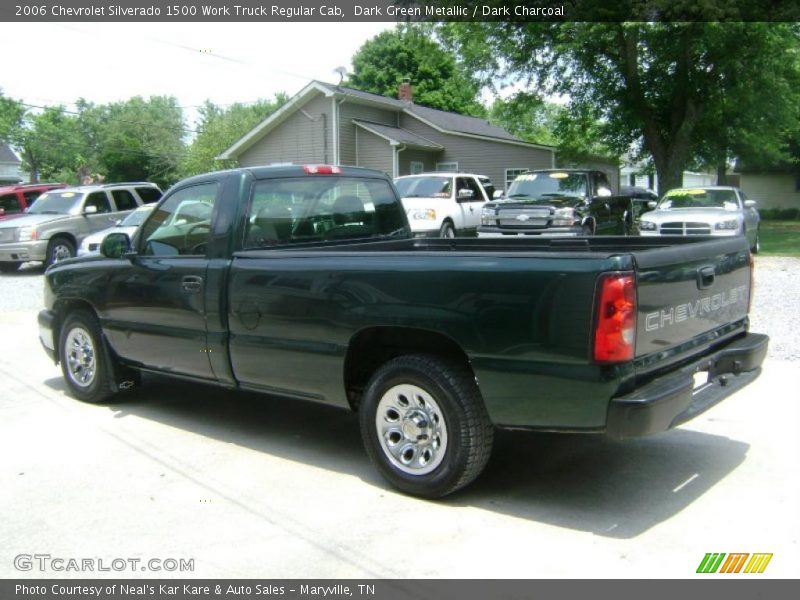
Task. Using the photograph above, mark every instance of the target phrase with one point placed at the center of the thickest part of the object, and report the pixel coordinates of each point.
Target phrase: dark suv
(16, 199)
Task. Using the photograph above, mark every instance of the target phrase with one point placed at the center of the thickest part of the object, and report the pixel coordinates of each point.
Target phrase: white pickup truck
(444, 204)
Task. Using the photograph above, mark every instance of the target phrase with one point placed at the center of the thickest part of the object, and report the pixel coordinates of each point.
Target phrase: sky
(57, 63)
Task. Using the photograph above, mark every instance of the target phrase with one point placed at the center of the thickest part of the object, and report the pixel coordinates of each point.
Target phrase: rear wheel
(587, 229)
(447, 230)
(425, 426)
(59, 248)
(83, 358)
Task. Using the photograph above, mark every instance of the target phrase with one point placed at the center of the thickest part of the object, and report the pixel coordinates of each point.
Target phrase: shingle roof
(398, 135)
(447, 121)
(7, 154)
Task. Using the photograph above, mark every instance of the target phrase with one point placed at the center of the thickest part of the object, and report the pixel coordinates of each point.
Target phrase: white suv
(444, 204)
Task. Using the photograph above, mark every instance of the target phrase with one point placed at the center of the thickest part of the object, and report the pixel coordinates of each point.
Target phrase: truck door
(470, 205)
(157, 302)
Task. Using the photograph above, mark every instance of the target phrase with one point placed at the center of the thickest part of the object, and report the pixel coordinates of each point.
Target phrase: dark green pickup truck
(306, 282)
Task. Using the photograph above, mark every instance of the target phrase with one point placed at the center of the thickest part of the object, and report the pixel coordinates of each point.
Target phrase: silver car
(91, 244)
(714, 210)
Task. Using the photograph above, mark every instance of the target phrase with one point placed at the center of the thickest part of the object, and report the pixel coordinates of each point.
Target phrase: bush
(780, 214)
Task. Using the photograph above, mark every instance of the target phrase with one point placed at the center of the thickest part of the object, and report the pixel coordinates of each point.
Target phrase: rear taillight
(615, 322)
(322, 169)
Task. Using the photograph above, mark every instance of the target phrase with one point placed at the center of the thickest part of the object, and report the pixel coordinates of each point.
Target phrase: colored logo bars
(733, 564)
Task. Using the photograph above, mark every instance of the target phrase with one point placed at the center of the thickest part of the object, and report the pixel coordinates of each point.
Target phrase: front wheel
(425, 426)
(59, 249)
(756, 247)
(83, 358)
(447, 230)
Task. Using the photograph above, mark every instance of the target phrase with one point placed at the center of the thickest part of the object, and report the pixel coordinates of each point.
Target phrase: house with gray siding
(9, 165)
(331, 124)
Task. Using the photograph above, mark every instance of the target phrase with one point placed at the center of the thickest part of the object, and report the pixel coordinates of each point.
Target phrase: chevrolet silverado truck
(557, 202)
(306, 282)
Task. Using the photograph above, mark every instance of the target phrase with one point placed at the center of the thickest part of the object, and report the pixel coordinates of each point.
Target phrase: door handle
(191, 283)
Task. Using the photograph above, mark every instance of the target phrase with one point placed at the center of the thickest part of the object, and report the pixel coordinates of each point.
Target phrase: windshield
(136, 217)
(538, 185)
(699, 198)
(55, 203)
(427, 186)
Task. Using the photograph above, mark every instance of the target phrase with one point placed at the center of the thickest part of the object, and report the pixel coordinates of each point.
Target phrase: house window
(450, 167)
(417, 167)
(512, 174)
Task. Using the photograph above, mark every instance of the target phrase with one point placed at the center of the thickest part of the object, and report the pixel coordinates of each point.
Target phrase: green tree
(11, 116)
(135, 139)
(219, 128)
(656, 86)
(411, 52)
(49, 143)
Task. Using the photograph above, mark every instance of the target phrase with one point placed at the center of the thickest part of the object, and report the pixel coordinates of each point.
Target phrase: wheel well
(67, 236)
(63, 308)
(371, 348)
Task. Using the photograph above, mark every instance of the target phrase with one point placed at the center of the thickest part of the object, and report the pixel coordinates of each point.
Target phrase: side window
(488, 186)
(148, 194)
(603, 186)
(124, 200)
(10, 203)
(468, 183)
(30, 197)
(182, 225)
(99, 200)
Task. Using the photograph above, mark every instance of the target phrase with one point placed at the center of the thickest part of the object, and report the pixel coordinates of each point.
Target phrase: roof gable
(7, 155)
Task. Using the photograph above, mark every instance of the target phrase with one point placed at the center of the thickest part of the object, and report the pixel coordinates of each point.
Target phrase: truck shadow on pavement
(584, 482)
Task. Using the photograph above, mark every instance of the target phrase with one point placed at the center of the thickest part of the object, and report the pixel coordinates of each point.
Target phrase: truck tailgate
(690, 295)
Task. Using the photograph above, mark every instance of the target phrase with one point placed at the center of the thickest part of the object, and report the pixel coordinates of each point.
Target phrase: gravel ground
(776, 307)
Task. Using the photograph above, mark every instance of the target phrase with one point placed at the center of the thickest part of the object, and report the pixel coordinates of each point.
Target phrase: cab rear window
(312, 209)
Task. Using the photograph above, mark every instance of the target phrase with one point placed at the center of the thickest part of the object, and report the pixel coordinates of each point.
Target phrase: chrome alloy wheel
(411, 429)
(81, 361)
(60, 252)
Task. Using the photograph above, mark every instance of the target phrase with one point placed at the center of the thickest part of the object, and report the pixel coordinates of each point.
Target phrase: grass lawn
(780, 238)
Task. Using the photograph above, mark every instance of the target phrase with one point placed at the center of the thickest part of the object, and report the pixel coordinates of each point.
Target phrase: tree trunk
(722, 170)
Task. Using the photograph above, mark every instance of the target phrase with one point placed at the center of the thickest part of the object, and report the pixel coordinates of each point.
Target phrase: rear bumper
(670, 400)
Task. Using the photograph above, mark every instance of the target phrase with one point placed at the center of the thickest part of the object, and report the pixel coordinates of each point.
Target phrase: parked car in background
(16, 199)
(556, 202)
(716, 210)
(640, 199)
(59, 220)
(91, 244)
(444, 204)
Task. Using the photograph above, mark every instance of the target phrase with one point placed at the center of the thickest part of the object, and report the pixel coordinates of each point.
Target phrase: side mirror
(749, 203)
(652, 204)
(115, 245)
(498, 194)
(465, 194)
(90, 210)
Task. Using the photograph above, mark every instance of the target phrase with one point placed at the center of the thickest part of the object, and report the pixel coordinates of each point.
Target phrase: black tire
(458, 416)
(9, 267)
(59, 248)
(447, 230)
(756, 248)
(587, 229)
(81, 348)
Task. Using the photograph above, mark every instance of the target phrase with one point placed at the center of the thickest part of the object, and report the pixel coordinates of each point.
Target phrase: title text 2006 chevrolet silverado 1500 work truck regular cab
(305, 282)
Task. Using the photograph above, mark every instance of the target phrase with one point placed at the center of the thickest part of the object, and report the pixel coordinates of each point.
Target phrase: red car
(16, 199)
